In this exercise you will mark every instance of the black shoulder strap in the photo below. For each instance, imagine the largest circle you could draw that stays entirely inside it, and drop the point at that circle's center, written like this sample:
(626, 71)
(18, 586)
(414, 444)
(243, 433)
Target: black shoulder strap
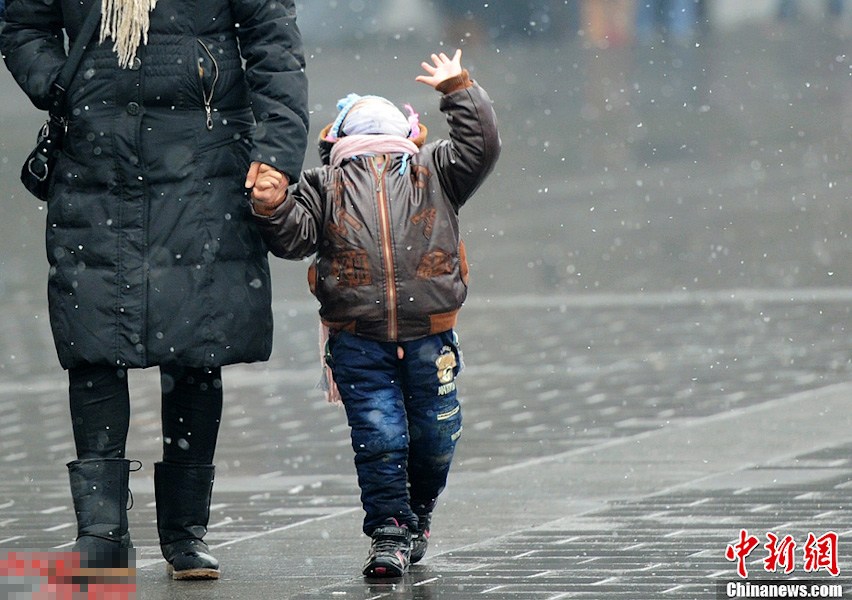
(75, 54)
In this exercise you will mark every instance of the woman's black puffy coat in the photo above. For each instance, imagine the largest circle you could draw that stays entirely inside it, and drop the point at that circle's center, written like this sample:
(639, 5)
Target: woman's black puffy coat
(153, 255)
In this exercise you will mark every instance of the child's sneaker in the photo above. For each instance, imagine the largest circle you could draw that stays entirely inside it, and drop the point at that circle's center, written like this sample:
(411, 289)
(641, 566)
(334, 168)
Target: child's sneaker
(420, 539)
(390, 551)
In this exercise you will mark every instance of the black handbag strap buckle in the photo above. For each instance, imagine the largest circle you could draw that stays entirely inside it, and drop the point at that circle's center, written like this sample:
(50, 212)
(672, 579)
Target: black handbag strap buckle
(42, 169)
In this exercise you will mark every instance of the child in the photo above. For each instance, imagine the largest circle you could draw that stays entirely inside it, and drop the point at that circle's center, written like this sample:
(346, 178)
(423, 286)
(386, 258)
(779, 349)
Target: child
(390, 274)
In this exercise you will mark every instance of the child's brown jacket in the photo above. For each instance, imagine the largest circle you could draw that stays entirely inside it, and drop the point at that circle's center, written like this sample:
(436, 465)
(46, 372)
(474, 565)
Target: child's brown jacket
(390, 264)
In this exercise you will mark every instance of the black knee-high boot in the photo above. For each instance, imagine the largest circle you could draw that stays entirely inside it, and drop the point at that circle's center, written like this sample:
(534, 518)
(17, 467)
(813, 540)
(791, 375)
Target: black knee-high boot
(183, 493)
(99, 488)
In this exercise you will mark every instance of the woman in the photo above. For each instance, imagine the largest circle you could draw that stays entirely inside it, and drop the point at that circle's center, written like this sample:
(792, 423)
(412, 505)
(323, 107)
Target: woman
(154, 260)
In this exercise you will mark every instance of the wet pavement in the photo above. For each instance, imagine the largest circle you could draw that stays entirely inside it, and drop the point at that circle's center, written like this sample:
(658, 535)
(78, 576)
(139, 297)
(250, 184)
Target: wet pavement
(657, 341)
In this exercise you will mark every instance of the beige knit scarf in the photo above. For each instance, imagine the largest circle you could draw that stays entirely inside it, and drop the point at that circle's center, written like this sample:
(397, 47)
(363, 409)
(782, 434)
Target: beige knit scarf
(126, 22)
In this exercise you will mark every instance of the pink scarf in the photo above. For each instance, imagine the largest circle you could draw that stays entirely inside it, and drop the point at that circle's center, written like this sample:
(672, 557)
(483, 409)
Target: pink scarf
(358, 145)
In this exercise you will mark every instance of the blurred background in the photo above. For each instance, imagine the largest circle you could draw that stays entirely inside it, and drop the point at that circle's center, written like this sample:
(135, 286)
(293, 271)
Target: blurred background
(667, 144)
(672, 144)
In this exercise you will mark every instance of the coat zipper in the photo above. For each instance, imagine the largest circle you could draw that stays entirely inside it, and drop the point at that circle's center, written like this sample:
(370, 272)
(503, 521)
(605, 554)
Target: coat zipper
(387, 247)
(208, 97)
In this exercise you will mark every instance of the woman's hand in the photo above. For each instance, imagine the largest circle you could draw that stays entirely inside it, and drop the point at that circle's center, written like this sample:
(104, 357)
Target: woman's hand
(268, 188)
(443, 68)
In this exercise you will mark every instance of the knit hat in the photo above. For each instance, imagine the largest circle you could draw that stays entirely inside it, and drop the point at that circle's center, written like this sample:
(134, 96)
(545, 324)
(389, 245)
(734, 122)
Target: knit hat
(369, 115)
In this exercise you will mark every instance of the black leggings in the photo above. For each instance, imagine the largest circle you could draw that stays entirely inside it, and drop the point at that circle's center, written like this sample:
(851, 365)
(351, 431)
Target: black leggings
(191, 412)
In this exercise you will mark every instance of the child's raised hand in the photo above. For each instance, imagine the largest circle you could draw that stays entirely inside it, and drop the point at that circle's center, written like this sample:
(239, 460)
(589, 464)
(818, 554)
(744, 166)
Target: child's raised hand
(442, 68)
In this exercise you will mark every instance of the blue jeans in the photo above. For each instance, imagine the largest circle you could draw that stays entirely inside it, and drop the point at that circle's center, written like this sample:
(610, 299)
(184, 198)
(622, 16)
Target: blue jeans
(404, 417)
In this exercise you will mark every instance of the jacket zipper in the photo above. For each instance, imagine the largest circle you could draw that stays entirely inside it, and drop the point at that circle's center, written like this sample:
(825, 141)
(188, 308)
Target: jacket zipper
(387, 248)
(208, 97)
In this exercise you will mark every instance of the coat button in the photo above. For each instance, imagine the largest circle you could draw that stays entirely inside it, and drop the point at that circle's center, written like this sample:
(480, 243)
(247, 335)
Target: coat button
(136, 64)
(133, 109)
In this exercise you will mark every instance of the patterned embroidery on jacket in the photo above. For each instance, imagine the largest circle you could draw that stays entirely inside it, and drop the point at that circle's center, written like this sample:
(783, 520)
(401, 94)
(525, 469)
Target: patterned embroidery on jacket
(434, 264)
(420, 175)
(337, 229)
(351, 268)
(427, 217)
